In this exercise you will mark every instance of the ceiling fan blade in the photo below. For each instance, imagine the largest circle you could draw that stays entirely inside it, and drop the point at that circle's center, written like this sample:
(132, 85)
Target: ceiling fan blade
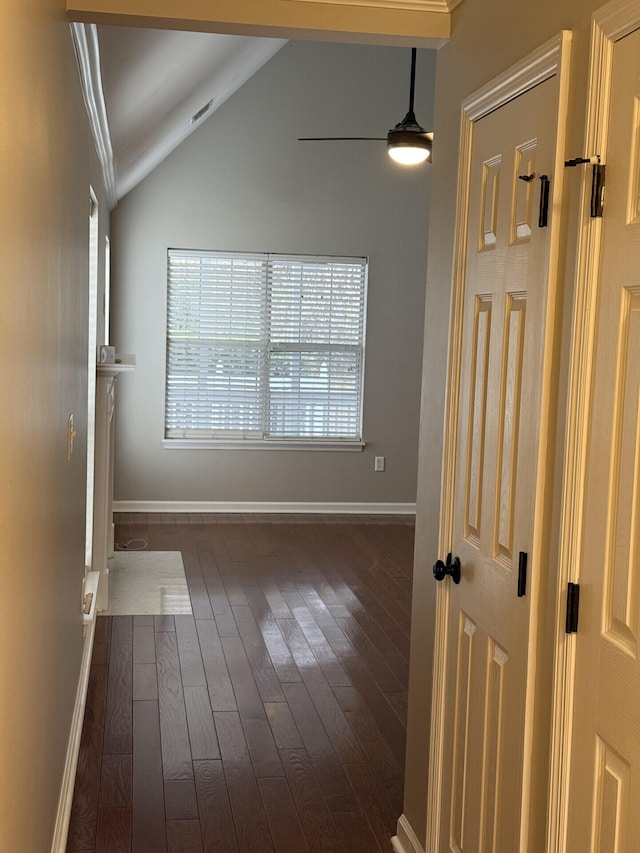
(407, 143)
(342, 139)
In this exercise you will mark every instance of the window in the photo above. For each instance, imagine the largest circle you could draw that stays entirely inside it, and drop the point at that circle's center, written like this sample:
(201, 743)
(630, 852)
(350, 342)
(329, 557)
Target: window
(264, 348)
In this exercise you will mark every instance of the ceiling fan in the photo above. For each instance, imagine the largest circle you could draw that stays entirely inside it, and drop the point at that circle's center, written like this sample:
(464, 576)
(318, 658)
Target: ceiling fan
(407, 143)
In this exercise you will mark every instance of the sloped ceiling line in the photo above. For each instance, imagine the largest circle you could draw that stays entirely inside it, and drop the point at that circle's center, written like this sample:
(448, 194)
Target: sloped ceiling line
(156, 81)
(142, 88)
(85, 39)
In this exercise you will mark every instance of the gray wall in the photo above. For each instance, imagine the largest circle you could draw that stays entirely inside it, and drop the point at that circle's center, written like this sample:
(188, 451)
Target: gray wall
(47, 162)
(244, 182)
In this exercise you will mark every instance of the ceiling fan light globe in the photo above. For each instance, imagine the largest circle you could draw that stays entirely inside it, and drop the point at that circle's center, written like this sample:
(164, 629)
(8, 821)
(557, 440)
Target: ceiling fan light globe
(409, 147)
(407, 155)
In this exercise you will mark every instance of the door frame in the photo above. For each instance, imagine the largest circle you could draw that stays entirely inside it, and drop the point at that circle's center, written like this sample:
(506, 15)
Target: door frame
(609, 24)
(551, 59)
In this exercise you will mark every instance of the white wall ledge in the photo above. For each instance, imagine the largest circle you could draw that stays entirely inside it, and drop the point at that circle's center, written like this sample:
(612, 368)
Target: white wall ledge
(266, 444)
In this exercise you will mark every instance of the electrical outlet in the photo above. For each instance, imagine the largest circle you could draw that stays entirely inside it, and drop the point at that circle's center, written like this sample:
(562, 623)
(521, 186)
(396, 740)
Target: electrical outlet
(378, 463)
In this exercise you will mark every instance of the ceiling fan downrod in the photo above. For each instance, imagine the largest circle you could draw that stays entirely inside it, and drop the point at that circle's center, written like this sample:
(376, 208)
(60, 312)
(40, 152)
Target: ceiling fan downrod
(408, 143)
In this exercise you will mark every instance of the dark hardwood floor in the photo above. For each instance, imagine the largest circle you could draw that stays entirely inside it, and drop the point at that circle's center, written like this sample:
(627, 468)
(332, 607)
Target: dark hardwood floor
(273, 719)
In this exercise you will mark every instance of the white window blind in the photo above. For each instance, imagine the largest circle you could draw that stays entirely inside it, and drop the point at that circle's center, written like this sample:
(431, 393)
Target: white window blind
(264, 347)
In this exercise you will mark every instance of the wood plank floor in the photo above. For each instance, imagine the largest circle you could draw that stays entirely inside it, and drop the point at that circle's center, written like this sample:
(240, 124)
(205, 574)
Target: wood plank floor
(273, 719)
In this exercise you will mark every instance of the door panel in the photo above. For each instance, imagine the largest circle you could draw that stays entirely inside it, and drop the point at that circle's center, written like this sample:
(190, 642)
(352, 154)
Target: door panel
(604, 785)
(509, 425)
(478, 415)
(611, 799)
(461, 788)
(499, 473)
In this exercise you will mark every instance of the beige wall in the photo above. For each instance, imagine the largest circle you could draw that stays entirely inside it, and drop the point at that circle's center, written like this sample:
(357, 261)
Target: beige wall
(243, 182)
(46, 166)
(487, 38)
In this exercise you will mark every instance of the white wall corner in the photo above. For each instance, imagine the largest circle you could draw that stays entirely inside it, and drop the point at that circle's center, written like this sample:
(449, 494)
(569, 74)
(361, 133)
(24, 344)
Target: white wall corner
(406, 841)
(85, 40)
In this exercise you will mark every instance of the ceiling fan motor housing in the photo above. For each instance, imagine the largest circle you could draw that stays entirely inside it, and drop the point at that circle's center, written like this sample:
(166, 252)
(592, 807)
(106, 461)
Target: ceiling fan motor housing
(408, 134)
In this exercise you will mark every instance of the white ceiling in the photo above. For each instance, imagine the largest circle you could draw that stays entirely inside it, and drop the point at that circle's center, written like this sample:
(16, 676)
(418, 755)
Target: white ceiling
(148, 84)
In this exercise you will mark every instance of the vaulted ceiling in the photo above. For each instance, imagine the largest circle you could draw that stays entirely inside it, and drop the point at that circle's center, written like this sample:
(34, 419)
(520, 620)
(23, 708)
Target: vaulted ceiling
(149, 85)
(148, 89)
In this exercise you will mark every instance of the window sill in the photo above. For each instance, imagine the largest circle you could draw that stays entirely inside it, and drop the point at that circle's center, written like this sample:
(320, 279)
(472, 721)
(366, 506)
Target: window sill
(248, 444)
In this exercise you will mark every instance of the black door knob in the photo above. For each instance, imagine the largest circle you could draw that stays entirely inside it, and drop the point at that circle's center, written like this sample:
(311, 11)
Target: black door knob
(451, 568)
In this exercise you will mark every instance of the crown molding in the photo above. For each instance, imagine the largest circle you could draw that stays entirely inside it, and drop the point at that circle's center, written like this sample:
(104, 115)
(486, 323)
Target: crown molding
(85, 39)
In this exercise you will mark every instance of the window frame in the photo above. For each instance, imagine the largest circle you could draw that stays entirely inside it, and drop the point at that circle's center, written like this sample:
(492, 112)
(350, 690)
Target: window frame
(265, 441)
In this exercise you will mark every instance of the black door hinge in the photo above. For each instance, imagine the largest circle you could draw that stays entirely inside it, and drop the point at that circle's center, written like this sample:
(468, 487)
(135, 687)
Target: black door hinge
(543, 211)
(596, 205)
(597, 191)
(543, 214)
(522, 574)
(573, 604)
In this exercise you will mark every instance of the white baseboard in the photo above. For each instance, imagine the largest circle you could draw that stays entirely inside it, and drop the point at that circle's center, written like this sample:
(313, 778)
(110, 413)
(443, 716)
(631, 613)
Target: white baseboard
(65, 801)
(406, 841)
(266, 507)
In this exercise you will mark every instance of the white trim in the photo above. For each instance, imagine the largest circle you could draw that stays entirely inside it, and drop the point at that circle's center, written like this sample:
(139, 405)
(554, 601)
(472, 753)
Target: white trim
(85, 39)
(256, 444)
(272, 507)
(406, 841)
(617, 19)
(535, 68)
(61, 829)
(610, 23)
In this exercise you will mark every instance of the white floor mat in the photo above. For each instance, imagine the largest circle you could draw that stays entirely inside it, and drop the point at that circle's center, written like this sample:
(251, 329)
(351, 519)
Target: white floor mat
(147, 582)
